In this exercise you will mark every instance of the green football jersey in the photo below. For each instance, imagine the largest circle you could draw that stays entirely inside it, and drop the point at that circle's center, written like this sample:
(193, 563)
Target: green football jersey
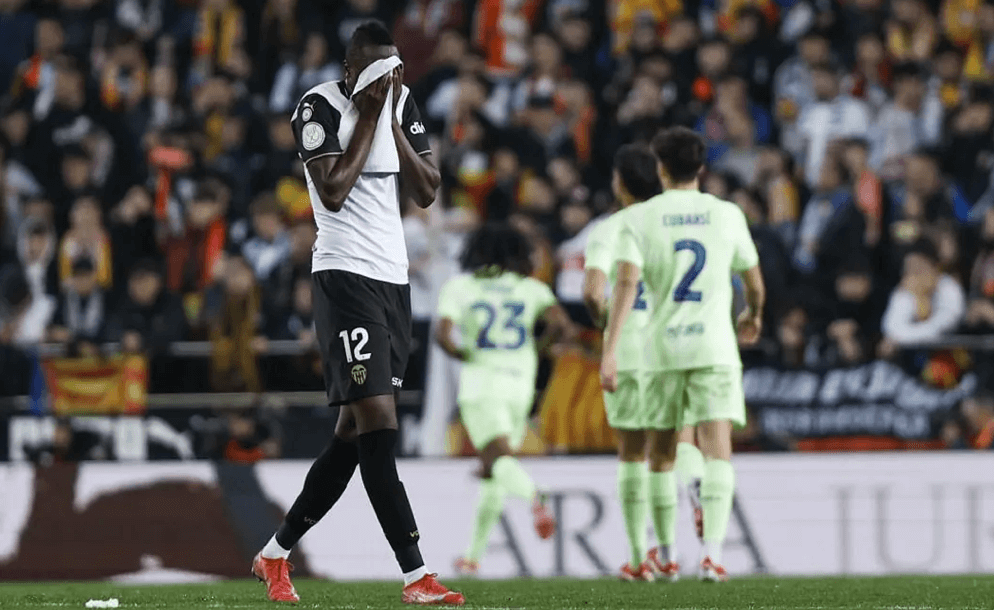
(602, 254)
(688, 245)
(496, 317)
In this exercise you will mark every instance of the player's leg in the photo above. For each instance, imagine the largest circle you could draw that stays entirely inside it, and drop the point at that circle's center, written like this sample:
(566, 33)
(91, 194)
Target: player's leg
(625, 413)
(718, 405)
(665, 403)
(663, 499)
(325, 483)
(717, 485)
(690, 469)
(632, 495)
(376, 369)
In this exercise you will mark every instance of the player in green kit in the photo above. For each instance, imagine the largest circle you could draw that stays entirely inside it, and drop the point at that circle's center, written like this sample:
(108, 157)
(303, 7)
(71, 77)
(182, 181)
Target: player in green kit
(495, 307)
(685, 246)
(634, 179)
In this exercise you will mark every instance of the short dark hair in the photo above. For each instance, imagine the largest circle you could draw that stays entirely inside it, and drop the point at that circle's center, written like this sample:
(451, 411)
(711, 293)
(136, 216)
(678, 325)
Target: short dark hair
(908, 69)
(681, 152)
(370, 33)
(637, 168)
(925, 248)
(497, 245)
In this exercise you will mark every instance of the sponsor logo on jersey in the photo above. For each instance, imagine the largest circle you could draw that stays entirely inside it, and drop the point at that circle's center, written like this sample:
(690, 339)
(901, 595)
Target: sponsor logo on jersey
(306, 113)
(397, 383)
(359, 374)
(417, 128)
(312, 136)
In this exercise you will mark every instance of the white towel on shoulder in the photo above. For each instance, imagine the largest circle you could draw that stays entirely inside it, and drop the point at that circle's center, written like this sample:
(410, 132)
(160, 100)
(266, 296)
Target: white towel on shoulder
(383, 154)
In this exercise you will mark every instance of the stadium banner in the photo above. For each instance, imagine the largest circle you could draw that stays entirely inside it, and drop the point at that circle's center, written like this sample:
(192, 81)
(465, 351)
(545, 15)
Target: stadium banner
(875, 399)
(97, 385)
(803, 514)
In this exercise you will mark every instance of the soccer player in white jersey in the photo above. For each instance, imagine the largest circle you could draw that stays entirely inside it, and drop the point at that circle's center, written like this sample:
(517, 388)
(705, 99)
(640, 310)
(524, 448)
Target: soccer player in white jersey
(487, 319)
(685, 246)
(362, 302)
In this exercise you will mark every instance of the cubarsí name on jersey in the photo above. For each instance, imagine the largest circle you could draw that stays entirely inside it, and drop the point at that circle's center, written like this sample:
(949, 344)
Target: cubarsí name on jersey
(677, 220)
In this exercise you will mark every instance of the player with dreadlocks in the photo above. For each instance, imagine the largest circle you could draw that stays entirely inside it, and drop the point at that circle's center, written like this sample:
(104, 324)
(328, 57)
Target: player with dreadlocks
(495, 307)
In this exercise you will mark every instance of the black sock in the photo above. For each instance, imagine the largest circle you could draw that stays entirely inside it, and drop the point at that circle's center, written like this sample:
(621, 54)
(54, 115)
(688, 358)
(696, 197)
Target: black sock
(325, 483)
(386, 493)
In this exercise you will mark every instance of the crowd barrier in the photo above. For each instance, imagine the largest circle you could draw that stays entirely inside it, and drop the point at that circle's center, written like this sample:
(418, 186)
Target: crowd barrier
(802, 514)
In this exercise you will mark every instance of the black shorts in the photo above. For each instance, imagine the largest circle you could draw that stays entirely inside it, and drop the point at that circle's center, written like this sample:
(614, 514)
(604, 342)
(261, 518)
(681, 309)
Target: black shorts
(364, 333)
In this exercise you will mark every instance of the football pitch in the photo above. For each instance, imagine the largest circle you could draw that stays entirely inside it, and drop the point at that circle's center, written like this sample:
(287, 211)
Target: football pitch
(896, 593)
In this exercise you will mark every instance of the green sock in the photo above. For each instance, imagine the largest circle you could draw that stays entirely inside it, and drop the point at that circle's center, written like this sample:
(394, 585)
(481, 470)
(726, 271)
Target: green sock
(488, 512)
(717, 489)
(689, 463)
(663, 498)
(632, 480)
(512, 476)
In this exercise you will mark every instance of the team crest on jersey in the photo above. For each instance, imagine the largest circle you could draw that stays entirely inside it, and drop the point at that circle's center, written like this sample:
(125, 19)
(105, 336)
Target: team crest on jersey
(312, 136)
(359, 374)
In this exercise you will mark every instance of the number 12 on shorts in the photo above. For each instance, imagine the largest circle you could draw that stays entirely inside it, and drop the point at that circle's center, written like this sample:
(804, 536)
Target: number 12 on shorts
(360, 336)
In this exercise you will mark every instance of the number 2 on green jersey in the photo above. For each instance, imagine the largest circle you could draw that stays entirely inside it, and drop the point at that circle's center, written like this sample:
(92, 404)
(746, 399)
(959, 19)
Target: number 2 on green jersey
(514, 310)
(683, 292)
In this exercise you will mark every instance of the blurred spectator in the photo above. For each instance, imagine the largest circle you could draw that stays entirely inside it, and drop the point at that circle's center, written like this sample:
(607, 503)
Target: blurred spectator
(969, 156)
(927, 304)
(25, 316)
(250, 438)
(233, 313)
(502, 29)
(297, 76)
(980, 310)
(831, 229)
(267, 251)
(70, 445)
(912, 31)
(793, 84)
(149, 317)
(979, 415)
(132, 233)
(36, 255)
(17, 28)
(870, 78)
(81, 315)
(866, 187)
(774, 260)
(88, 238)
(192, 257)
(913, 119)
(832, 116)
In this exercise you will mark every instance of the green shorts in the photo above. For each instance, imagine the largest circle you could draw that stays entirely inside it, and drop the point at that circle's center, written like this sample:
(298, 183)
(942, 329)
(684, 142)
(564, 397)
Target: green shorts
(677, 399)
(488, 419)
(625, 407)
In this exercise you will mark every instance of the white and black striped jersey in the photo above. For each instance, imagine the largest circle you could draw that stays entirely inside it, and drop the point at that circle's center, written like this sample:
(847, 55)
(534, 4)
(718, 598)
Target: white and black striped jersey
(366, 236)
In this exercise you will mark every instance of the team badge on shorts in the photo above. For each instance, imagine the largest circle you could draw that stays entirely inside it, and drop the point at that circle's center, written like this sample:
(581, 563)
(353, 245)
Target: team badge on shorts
(359, 374)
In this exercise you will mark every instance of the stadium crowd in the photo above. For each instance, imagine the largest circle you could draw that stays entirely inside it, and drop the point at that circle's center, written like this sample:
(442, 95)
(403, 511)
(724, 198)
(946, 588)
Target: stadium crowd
(151, 189)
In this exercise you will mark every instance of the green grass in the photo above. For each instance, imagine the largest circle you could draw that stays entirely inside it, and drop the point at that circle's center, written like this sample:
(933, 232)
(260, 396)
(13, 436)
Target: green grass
(897, 593)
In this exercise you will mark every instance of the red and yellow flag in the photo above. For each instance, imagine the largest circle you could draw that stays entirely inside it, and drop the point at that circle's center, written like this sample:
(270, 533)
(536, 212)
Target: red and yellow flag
(80, 386)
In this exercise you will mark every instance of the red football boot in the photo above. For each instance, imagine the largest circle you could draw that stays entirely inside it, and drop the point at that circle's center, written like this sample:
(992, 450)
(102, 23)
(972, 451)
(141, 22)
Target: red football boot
(641, 573)
(276, 574)
(467, 567)
(429, 592)
(545, 523)
(712, 572)
(667, 571)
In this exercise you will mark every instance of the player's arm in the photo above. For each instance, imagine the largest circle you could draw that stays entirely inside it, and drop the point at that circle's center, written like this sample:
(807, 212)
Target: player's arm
(335, 175)
(751, 319)
(559, 328)
(419, 178)
(622, 301)
(746, 261)
(594, 295)
(445, 337)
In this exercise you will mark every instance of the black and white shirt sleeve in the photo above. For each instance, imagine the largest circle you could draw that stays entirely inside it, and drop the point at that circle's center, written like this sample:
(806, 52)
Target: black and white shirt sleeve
(315, 128)
(414, 129)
